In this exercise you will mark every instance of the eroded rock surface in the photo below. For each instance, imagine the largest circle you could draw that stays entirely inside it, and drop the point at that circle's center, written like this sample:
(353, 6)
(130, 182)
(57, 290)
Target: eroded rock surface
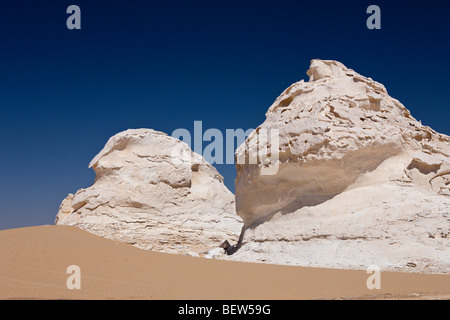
(148, 195)
(359, 180)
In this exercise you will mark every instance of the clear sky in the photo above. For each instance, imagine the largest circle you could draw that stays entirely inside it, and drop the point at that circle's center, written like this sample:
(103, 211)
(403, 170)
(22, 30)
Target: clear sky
(165, 64)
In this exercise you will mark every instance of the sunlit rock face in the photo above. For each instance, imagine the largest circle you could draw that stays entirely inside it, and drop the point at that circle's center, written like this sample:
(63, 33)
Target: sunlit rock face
(148, 195)
(358, 179)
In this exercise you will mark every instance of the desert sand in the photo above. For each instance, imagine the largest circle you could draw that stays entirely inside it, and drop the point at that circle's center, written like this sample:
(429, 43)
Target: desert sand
(34, 262)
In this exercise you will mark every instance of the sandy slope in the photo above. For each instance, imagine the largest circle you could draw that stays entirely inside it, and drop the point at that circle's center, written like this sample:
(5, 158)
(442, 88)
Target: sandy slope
(33, 264)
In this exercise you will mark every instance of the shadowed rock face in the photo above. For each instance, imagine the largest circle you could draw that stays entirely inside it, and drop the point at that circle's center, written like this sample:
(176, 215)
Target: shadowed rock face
(148, 195)
(359, 181)
(332, 130)
(303, 185)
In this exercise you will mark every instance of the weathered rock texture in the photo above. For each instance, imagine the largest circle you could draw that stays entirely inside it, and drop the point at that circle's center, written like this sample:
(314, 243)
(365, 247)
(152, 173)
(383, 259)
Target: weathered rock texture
(359, 180)
(148, 194)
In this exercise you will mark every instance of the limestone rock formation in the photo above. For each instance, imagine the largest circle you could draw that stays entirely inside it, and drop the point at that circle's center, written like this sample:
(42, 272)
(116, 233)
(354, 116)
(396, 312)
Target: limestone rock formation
(359, 181)
(148, 193)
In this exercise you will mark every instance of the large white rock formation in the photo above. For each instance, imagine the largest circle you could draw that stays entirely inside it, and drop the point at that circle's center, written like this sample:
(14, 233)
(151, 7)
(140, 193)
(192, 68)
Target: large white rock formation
(359, 180)
(151, 190)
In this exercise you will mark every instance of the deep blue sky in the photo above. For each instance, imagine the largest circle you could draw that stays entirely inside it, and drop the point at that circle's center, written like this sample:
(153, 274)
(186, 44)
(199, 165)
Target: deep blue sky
(165, 64)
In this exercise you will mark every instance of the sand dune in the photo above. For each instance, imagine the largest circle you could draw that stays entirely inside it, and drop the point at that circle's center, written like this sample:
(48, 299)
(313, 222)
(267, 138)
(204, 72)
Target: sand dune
(34, 262)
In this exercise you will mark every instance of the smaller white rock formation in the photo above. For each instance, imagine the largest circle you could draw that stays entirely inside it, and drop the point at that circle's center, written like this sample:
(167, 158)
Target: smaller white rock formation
(147, 195)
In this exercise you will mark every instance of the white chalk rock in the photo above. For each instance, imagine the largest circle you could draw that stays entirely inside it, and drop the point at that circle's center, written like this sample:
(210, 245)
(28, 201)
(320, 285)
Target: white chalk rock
(151, 190)
(354, 180)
